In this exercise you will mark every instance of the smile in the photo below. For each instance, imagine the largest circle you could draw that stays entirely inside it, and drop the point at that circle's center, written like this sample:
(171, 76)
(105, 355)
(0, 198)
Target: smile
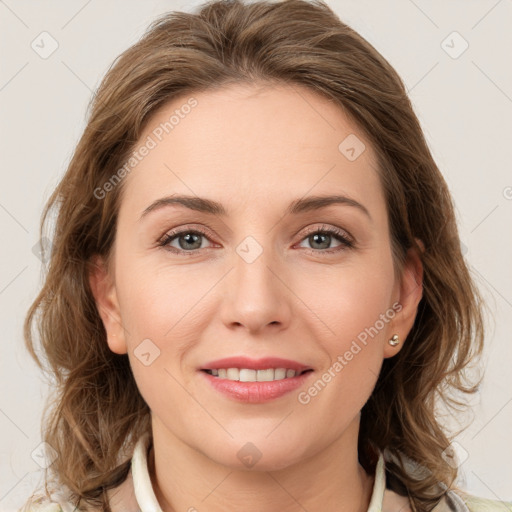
(252, 391)
(249, 375)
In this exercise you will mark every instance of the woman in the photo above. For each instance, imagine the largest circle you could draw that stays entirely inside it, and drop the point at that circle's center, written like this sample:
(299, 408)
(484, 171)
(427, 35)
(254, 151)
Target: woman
(256, 288)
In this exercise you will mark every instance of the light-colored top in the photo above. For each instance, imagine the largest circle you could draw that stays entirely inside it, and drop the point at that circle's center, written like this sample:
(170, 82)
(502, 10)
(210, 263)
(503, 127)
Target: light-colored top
(136, 493)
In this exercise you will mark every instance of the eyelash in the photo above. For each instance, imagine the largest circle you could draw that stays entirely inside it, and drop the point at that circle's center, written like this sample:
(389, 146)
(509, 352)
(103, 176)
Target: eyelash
(340, 235)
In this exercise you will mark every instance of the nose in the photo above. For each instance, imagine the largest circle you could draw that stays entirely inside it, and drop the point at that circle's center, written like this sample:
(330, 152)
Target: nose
(256, 295)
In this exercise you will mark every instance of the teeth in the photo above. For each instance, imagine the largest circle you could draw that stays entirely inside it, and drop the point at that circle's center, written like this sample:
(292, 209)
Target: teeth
(233, 374)
(265, 375)
(247, 375)
(279, 373)
(242, 375)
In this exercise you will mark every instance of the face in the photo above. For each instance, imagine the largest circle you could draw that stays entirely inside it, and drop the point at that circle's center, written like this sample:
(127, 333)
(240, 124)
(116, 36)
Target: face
(262, 276)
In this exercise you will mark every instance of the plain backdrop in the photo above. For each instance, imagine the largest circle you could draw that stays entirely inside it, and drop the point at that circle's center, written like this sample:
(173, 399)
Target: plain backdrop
(454, 58)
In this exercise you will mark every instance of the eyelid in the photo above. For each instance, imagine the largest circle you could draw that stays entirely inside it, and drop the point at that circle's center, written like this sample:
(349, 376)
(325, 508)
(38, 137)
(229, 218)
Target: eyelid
(329, 229)
(346, 239)
(187, 228)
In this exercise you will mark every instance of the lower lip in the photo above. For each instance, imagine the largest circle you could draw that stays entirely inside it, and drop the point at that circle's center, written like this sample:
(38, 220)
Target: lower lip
(256, 392)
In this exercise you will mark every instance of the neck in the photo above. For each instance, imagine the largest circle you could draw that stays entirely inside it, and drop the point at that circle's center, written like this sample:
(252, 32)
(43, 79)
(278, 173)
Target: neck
(331, 480)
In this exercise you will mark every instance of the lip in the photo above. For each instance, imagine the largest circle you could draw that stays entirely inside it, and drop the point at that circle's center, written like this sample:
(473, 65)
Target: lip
(255, 392)
(255, 364)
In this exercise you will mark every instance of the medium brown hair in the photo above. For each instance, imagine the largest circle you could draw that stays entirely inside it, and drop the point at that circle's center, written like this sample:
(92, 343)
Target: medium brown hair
(97, 412)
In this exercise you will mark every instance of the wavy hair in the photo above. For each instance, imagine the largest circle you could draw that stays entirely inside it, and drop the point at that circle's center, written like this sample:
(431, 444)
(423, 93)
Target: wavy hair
(97, 413)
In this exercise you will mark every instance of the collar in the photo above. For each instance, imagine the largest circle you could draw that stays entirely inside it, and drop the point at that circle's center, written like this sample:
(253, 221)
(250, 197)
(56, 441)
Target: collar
(382, 499)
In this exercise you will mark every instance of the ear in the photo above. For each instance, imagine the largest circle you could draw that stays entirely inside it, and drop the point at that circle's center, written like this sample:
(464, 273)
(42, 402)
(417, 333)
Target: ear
(410, 292)
(104, 291)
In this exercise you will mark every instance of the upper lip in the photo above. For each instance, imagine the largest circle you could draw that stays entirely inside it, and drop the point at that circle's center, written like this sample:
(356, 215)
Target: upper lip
(255, 364)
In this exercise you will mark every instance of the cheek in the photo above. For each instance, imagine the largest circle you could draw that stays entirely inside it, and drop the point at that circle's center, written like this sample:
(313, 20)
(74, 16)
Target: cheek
(348, 300)
(162, 326)
(158, 301)
(352, 309)
(163, 311)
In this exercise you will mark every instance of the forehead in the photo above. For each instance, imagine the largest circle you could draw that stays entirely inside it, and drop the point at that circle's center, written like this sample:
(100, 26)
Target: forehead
(247, 143)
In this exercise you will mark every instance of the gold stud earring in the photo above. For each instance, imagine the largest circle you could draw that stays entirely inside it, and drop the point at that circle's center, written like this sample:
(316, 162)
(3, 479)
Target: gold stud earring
(394, 340)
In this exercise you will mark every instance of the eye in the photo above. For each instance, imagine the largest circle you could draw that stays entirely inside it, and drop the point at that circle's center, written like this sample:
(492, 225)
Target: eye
(323, 236)
(188, 240)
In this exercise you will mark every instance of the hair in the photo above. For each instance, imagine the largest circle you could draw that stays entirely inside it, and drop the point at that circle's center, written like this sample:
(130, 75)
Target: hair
(97, 413)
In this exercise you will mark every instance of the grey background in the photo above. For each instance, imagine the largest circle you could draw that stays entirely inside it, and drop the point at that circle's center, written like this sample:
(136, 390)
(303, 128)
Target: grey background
(463, 103)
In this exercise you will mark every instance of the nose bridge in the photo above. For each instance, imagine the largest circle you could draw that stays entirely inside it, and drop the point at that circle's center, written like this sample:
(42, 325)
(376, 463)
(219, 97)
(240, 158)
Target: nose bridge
(253, 261)
(255, 295)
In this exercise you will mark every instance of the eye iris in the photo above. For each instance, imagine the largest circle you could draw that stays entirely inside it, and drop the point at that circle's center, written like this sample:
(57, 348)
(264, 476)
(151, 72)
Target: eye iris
(314, 239)
(188, 237)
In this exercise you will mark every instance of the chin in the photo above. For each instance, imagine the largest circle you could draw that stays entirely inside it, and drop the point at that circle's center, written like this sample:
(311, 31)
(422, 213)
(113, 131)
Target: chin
(257, 454)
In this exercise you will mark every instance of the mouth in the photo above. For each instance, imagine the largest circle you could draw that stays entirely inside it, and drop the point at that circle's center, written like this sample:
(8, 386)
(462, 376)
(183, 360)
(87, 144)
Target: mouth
(251, 375)
(245, 369)
(255, 380)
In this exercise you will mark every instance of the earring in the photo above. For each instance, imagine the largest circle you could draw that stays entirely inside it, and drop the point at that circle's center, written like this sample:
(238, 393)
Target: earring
(394, 340)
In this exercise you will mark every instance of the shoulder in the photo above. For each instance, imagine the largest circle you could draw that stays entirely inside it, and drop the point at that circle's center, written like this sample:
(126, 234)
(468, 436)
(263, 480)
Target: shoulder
(461, 500)
(456, 500)
(477, 504)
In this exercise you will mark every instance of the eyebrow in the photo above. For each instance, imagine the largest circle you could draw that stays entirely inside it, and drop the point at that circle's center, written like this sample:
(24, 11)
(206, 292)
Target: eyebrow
(297, 206)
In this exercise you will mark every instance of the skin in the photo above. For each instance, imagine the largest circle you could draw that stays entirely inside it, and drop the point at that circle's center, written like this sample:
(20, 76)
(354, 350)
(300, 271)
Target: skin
(294, 301)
